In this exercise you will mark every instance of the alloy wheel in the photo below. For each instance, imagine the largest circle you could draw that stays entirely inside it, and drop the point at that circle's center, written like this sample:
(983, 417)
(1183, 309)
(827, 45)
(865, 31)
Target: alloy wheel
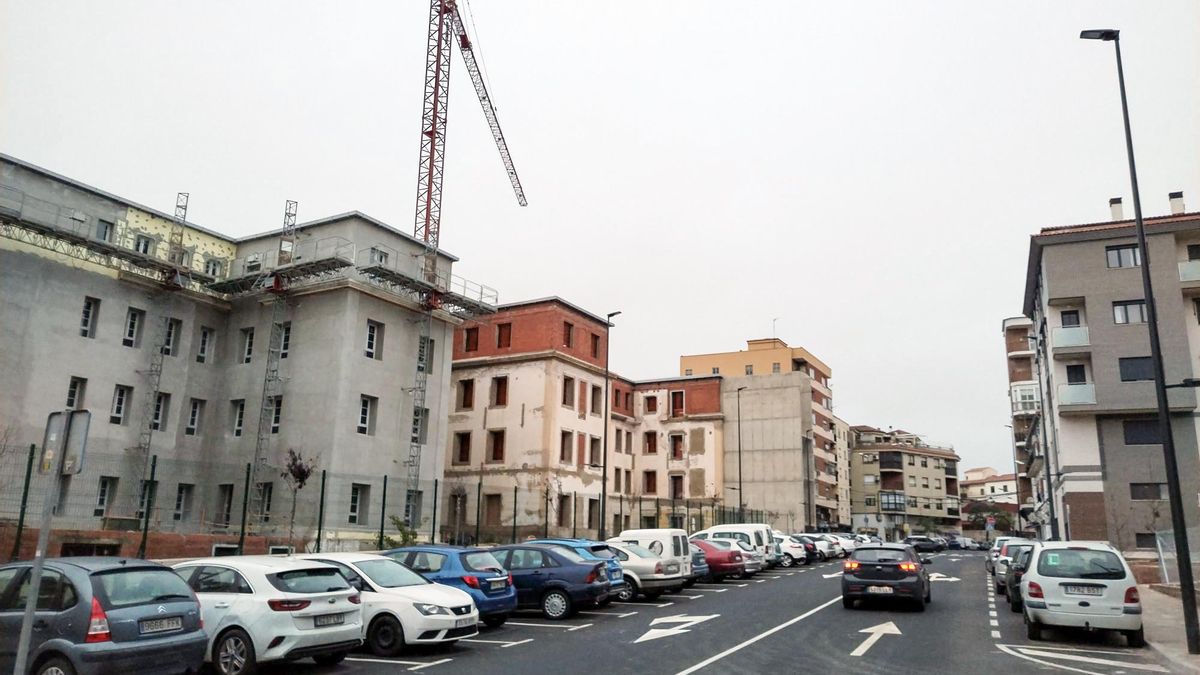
(231, 659)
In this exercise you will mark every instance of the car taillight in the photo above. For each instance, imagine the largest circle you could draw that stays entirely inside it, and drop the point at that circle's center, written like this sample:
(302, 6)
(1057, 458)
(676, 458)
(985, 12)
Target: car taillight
(471, 581)
(98, 624)
(591, 577)
(737, 556)
(1131, 596)
(356, 598)
(1035, 591)
(908, 566)
(288, 605)
(510, 582)
(658, 568)
(851, 565)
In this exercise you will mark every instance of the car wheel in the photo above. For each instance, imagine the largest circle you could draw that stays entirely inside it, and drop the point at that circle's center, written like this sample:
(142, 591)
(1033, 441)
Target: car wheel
(788, 560)
(556, 605)
(847, 602)
(821, 556)
(233, 653)
(1033, 630)
(61, 666)
(385, 637)
(495, 620)
(628, 593)
(330, 659)
(1015, 605)
(1136, 638)
(689, 583)
(928, 594)
(999, 588)
(919, 604)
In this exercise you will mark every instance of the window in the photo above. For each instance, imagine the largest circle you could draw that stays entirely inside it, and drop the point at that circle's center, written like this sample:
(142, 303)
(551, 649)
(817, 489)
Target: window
(462, 447)
(120, 403)
(180, 256)
(595, 346)
(142, 243)
(495, 445)
(183, 501)
(568, 393)
(499, 394)
(1148, 491)
(247, 344)
(492, 507)
(677, 404)
(628, 481)
(869, 479)
(676, 487)
(616, 403)
(171, 339)
(676, 446)
(749, 369)
(378, 256)
(146, 490)
(937, 483)
(620, 437)
(1076, 374)
(597, 399)
(420, 425)
(568, 335)
(358, 502)
(503, 335)
(1145, 540)
(162, 403)
(925, 462)
(133, 327)
(366, 414)
(195, 417)
(893, 501)
(716, 370)
(264, 492)
(1141, 432)
(649, 482)
(1129, 311)
(1070, 318)
(104, 495)
(412, 506)
(89, 318)
(1123, 256)
(937, 504)
(1136, 368)
(466, 394)
(628, 400)
(374, 346)
(75, 391)
(617, 480)
(650, 443)
(276, 413)
(239, 415)
(471, 339)
(651, 404)
(912, 481)
(925, 481)
(594, 451)
(213, 267)
(285, 339)
(564, 446)
(254, 262)
(205, 345)
(224, 503)
(104, 230)
(775, 367)
(687, 372)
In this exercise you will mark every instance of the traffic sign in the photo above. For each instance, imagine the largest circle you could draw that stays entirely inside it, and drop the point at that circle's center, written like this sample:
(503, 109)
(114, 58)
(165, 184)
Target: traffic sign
(64, 442)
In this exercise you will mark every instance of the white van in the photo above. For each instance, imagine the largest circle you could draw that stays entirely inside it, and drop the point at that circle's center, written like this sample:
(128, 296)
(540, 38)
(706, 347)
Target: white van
(755, 534)
(668, 543)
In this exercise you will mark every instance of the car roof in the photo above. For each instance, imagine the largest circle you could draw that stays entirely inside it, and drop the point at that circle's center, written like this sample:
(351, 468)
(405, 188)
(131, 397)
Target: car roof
(436, 548)
(564, 540)
(342, 556)
(884, 547)
(100, 563)
(1076, 544)
(264, 563)
(527, 544)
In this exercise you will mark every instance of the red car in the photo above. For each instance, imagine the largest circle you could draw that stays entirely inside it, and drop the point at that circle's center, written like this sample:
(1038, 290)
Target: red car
(722, 562)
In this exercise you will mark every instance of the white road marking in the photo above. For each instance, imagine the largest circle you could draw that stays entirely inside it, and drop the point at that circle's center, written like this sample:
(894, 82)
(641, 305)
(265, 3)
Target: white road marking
(994, 623)
(619, 615)
(1028, 655)
(565, 626)
(434, 663)
(995, 635)
(414, 665)
(642, 604)
(738, 647)
(686, 622)
(724, 585)
(789, 574)
(876, 632)
(992, 614)
(696, 589)
(502, 643)
(690, 597)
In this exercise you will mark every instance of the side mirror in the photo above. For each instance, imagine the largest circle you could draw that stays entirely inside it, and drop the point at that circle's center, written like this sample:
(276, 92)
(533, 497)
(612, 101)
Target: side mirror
(926, 561)
(1018, 568)
(357, 583)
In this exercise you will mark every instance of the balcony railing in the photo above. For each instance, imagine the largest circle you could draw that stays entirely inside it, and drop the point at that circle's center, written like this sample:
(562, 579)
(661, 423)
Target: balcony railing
(1189, 271)
(1024, 407)
(1076, 394)
(1070, 336)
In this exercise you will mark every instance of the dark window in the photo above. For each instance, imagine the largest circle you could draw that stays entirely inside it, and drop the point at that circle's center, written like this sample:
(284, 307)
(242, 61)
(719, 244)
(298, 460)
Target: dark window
(676, 487)
(315, 580)
(500, 391)
(1136, 368)
(462, 447)
(676, 446)
(212, 579)
(504, 335)
(595, 346)
(1129, 311)
(1193, 251)
(1070, 318)
(651, 404)
(568, 397)
(466, 394)
(1141, 432)
(496, 446)
(1076, 374)
(677, 404)
(651, 442)
(568, 335)
(1148, 491)
(471, 339)
(649, 482)
(565, 439)
(1145, 540)
(1123, 256)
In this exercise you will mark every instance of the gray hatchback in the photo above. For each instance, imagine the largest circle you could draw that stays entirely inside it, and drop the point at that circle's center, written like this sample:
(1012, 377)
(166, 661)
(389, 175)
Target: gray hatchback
(102, 615)
(886, 571)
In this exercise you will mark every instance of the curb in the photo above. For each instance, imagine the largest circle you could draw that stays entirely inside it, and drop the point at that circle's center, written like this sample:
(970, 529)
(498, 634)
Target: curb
(1185, 662)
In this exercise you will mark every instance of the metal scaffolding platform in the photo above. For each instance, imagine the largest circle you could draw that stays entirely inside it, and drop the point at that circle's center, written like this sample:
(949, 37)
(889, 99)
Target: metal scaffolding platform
(309, 259)
(451, 293)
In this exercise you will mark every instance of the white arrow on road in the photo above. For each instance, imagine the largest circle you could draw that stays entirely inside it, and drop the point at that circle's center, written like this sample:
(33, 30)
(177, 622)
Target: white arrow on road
(830, 576)
(685, 621)
(876, 632)
(938, 576)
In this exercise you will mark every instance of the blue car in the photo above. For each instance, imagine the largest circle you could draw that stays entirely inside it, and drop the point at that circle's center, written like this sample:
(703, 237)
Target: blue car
(474, 570)
(554, 579)
(592, 550)
(699, 566)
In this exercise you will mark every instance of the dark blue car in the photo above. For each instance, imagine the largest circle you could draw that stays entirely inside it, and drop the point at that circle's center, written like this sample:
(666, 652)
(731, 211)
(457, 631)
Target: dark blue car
(589, 549)
(554, 579)
(474, 570)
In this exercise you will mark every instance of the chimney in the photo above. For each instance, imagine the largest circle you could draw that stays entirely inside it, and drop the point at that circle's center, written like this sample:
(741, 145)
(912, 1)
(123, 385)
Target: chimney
(1176, 203)
(1117, 212)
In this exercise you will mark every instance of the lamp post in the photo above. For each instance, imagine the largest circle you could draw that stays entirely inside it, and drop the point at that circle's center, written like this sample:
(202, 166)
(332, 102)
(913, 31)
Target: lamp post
(604, 462)
(1183, 554)
(741, 499)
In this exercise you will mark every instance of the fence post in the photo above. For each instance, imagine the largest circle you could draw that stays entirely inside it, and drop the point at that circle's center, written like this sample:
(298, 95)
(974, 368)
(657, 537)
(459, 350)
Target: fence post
(478, 506)
(16, 552)
(320, 514)
(433, 527)
(621, 513)
(150, 505)
(657, 513)
(383, 511)
(574, 513)
(514, 534)
(639, 522)
(546, 506)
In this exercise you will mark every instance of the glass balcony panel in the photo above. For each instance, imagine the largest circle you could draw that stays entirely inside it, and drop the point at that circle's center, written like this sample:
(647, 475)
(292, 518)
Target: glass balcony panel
(1070, 336)
(1076, 394)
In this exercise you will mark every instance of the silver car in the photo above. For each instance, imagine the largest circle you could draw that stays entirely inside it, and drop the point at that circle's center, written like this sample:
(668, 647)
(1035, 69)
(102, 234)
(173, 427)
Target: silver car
(754, 560)
(645, 572)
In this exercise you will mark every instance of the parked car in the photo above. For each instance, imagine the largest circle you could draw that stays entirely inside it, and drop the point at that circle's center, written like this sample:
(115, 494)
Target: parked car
(752, 559)
(756, 535)
(722, 558)
(849, 543)
(940, 541)
(646, 572)
(921, 544)
(401, 607)
(1082, 584)
(668, 542)
(474, 571)
(555, 579)
(1002, 561)
(794, 551)
(102, 615)
(699, 566)
(989, 562)
(811, 552)
(592, 550)
(835, 548)
(886, 571)
(824, 549)
(269, 608)
(1016, 570)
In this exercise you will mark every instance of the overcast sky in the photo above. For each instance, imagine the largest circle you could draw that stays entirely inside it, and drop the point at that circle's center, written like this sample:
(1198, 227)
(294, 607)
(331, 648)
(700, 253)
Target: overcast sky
(868, 173)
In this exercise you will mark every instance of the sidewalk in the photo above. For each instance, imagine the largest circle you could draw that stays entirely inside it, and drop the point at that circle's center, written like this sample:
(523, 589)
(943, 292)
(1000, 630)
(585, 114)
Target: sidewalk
(1162, 616)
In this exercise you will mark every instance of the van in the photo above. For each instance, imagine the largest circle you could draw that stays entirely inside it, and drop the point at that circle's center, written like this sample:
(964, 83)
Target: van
(666, 542)
(755, 534)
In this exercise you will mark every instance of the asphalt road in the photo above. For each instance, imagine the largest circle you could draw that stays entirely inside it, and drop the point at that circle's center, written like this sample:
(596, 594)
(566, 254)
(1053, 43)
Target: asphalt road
(784, 621)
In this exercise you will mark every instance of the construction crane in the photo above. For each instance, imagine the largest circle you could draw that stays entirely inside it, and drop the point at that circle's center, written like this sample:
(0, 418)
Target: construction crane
(445, 26)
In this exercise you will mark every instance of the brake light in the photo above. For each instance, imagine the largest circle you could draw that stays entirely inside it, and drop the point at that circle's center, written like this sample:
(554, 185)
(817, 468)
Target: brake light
(98, 624)
(471, 581)
(908, 566)
(737, 556)
(851, 565)
(510, 581)
(1035, 591)
(658, 568)
(355, 599)
(1131, 596)
(591, 577)
(288, 605)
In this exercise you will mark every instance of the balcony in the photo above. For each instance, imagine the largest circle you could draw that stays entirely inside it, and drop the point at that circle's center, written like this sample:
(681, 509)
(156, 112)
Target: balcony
(1024, 407)
(1067, 337)
(1189, 271)
(1077, 394)
(892, 461)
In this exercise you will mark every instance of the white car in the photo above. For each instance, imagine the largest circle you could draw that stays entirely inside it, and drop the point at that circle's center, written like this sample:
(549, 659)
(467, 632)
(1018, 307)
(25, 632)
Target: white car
(793, 551)
(849, 543)
(265, 608)
(1083, 584)
(836, 550)
(401, 607)
(825, 549)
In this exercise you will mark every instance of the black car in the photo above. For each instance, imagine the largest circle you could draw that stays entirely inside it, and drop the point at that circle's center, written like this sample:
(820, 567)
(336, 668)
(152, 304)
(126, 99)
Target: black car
(1016, 570)
(554, 579)
(886, 571)
(923, 544)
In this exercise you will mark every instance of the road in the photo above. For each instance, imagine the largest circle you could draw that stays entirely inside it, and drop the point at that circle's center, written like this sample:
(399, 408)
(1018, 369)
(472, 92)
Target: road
(783, 621)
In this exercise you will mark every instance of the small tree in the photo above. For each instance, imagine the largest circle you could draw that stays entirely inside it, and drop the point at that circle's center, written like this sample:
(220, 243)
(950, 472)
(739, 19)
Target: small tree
(296, 472)
(407, 535)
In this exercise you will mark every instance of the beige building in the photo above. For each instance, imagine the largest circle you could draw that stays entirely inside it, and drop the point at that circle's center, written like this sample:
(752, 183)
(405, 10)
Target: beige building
(901, 485)
(841, 446)
(987, 484)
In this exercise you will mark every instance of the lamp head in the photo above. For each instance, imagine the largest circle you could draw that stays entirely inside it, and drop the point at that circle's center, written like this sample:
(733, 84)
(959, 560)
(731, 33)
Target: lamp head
(1106, 34)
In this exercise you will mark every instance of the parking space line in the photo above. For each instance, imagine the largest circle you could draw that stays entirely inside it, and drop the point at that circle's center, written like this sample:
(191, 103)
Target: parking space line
(724, 585)
(565, 626)
(736, 648)
(641, 604)
(690, 597)
(708, 590)
(992, 614)
(426, 665)
(503, 643)
(619, 615)
(414, 665)
(994, 623)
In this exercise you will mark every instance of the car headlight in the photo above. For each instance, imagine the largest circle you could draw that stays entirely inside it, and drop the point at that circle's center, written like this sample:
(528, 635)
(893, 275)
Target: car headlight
(429, 610)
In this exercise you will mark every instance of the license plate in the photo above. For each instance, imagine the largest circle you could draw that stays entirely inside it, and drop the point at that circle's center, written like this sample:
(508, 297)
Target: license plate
(464, 623)
(880, 590)
(328, 620)
(497, 584)
(160, 625)
(1083, 590)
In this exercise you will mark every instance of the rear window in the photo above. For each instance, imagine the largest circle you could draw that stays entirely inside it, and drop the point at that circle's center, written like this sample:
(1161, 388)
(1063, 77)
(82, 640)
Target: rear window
(881, 555)
(677, 546)
(602, 552)
(131, 587)
(390, 574)
(480, 562)
(640, 551)
(570, 555)
(1080, 564)
(315, 580)
(723, 544)
(740, 536)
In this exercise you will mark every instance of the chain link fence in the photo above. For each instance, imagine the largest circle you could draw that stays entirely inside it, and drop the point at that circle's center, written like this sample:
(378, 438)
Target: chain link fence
(1168, 560)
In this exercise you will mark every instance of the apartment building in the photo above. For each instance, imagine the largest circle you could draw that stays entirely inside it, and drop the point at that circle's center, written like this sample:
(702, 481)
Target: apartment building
(306, 341)
(988, 485)
(1024, 399)
(902, 485)
(841, 445)
(527, 429)
(790, 437)
(1095, 434)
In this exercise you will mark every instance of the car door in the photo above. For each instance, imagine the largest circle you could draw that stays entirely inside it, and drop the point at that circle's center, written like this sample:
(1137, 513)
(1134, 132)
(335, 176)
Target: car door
(55, 594)
(10, 616)
(525, 565)
(220, 590)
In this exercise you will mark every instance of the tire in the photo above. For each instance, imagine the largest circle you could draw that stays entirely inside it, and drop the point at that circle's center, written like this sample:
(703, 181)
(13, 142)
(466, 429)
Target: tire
(1136, 638)
(556, 605)
(999, 588)
(919, 604)
(385, 637)
(495, 620)
(788, 560)
(630, 592)
(1015, 605)
(928, 594)
(233, 653)
(847, 602)
(1033, 630)
(330, 659)
(821, 556)
(689, 583)
(60, 666)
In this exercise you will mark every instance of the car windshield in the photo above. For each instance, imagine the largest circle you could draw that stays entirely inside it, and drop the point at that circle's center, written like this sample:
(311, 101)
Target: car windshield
(481, 561)
(130, 587)
(880, 555)
(640, 551)
(1080, 563)
(390, 574)
(743, 545)
(313, 580)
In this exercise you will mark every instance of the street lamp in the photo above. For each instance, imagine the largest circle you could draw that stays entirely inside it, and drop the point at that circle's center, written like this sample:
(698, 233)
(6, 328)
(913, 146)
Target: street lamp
(604, 462)
(741, 499)
(1184, 558)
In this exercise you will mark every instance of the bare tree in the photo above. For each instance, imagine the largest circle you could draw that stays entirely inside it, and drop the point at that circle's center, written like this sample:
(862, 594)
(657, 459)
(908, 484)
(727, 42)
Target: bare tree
(296, 472)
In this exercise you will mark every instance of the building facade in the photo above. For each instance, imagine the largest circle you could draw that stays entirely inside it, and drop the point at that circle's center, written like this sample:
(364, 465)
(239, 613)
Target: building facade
(900, 485)
(991, 487)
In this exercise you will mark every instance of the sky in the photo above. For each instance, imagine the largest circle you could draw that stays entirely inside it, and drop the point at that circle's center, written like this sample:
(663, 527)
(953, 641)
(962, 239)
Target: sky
(862, 178)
